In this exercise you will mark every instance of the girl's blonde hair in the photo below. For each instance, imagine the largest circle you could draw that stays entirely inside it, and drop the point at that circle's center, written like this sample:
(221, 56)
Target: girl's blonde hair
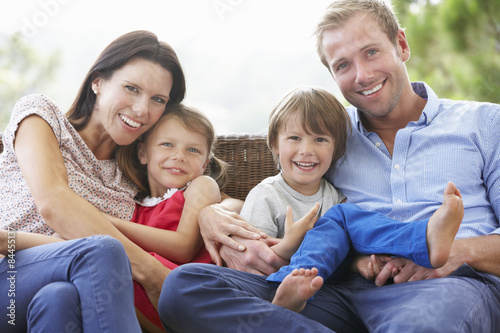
(320, 112)
(195, 121)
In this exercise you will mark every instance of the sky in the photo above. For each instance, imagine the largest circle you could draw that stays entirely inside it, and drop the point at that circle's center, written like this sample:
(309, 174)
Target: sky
(239, 56)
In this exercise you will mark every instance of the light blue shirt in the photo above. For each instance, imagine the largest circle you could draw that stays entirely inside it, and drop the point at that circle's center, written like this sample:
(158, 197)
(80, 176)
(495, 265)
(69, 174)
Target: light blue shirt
(456, 141)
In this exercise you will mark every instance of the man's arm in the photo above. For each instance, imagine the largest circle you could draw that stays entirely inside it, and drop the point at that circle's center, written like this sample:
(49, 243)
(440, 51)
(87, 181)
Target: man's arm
(481, 253)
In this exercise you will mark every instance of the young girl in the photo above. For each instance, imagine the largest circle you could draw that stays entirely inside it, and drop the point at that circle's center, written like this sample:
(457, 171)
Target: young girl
(307, 134)
(167, 164)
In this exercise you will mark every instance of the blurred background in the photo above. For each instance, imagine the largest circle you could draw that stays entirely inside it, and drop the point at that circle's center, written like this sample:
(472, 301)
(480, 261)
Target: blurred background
(240, 57)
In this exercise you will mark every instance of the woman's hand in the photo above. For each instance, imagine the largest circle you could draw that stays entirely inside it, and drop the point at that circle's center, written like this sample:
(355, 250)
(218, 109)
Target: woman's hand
(218, 224)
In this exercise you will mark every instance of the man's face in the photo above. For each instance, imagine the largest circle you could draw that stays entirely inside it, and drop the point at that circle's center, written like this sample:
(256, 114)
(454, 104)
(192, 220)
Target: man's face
(368, 67)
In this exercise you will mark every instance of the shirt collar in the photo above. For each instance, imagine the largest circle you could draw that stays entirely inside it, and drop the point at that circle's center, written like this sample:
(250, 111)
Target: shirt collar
(431, 108)
(420, 88)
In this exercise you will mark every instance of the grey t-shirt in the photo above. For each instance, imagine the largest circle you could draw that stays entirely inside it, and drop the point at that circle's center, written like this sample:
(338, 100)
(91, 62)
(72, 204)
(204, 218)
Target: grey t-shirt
(265, 205)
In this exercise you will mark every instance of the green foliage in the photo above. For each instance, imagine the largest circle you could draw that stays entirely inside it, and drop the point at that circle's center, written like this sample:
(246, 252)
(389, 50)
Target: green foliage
(455, 46)
(22, 71)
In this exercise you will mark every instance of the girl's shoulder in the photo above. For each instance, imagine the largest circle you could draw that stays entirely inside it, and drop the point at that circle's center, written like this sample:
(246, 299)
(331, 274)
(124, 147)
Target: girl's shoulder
(202, 185)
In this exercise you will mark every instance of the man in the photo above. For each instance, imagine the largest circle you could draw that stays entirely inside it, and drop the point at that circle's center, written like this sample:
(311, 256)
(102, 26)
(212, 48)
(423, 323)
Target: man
(406, 145)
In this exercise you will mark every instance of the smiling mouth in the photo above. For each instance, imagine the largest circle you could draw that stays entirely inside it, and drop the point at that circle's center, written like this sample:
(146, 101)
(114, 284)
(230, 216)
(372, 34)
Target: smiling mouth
(306, 166)
(372, 91)
(176, 171)
(130, 122)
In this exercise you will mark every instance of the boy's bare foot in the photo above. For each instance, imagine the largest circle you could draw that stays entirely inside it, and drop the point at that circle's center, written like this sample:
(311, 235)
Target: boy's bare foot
(443, 226)
(297, 287)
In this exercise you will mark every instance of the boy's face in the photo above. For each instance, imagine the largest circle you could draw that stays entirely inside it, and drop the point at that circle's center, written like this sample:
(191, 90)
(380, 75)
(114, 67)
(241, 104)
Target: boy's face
(304, 158)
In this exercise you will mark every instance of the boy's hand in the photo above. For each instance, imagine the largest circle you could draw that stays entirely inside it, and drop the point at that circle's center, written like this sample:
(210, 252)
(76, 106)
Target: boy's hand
(295, 232)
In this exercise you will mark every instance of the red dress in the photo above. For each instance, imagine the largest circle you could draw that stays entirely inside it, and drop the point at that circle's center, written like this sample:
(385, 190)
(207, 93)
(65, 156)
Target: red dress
(165, 215)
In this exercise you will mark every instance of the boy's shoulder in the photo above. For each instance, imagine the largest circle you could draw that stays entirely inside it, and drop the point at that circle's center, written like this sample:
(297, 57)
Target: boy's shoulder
(272, 180)
(267, 186)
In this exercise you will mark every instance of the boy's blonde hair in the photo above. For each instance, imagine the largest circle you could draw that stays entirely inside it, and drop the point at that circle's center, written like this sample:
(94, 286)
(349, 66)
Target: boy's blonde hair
(320, 112)
(340, 11)
(195, 121)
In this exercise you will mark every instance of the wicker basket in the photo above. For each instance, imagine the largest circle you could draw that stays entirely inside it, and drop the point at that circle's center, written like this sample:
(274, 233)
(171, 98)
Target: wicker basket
(250, 161)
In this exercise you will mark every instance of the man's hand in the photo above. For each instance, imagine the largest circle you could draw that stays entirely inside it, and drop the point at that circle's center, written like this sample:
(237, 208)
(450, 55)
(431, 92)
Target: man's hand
(404, 270)
(370, 266)
(217, 224)
(258, 258)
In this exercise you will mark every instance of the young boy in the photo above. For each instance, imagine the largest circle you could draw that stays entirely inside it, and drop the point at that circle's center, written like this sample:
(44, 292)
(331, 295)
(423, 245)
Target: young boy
(307, 134)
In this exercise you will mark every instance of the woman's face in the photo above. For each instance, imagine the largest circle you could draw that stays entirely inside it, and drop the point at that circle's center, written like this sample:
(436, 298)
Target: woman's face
(131, 101)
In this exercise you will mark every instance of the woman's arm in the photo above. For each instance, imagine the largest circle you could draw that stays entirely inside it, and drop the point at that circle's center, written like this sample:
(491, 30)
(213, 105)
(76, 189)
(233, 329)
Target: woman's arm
(71, 216)
(18, 240)
(181, 245)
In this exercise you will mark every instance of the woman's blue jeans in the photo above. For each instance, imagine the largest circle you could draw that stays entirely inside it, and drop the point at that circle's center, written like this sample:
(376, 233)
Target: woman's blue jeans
(82, 285)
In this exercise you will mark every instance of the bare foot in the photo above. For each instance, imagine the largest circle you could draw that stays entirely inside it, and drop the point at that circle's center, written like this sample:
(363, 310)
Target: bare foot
(297, 287)
(443, 226)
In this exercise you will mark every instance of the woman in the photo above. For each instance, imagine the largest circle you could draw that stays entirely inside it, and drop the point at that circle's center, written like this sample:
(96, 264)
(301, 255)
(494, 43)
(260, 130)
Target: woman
(58, 171)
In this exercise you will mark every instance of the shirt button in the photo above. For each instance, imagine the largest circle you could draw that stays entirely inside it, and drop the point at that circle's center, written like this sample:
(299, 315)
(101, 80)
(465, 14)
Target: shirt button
(396, 166)
(377, 144)
(399, 201)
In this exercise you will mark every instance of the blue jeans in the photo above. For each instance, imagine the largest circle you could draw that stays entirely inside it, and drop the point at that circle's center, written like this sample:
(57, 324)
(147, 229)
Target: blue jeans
(347, 225)
(209, 298)
(82, 285)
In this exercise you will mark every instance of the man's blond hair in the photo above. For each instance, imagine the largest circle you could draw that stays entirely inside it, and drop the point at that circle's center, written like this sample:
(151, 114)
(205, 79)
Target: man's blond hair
(340, 11)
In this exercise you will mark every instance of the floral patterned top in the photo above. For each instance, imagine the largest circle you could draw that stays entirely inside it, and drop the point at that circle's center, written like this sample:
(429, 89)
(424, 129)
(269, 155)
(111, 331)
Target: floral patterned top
(98, 181)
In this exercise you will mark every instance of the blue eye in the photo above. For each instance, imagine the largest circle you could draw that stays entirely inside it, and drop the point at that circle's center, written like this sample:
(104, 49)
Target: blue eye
(193, 150)
(159, 100)
(341, 66)
(132, 89)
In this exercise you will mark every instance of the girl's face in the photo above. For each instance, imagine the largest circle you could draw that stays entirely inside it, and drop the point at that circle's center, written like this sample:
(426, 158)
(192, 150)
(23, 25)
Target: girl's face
(304, 158)
(131, 101)
(174, 155)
